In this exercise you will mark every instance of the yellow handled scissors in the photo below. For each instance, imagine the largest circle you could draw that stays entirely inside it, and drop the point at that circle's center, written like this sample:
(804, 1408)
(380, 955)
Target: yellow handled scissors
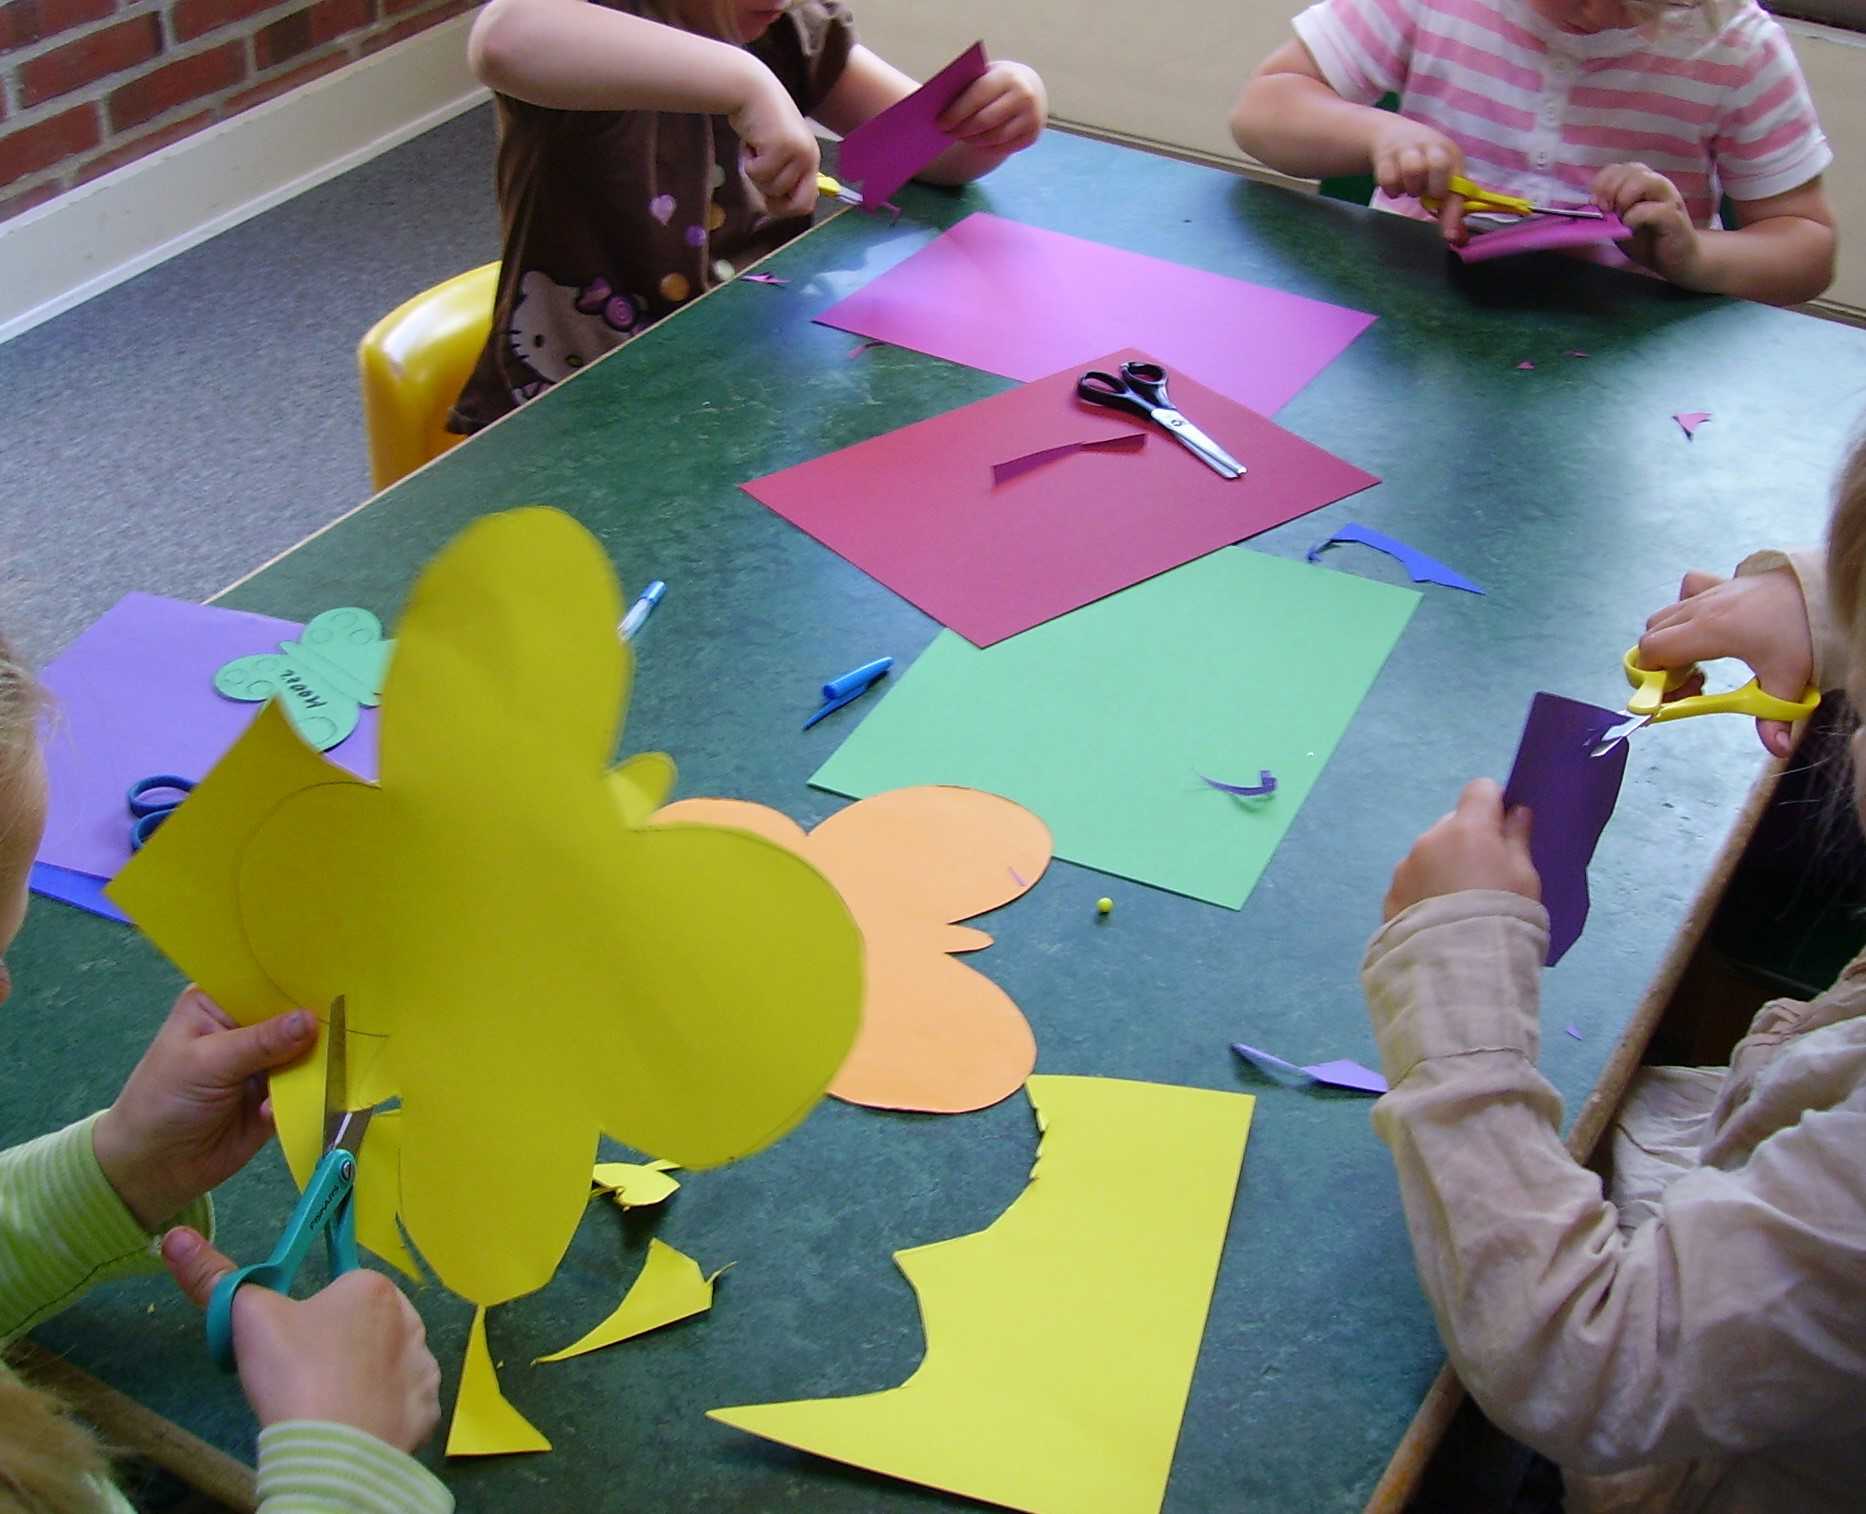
(1492, 202)
(837, 190)
(1651, 685)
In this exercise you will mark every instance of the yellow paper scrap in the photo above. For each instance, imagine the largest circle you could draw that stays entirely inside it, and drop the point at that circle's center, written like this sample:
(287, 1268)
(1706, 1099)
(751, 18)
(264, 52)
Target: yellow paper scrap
(1061, 1339)
(635, 1185)
(378, 1178)
(669, 1288)
(484, 1423)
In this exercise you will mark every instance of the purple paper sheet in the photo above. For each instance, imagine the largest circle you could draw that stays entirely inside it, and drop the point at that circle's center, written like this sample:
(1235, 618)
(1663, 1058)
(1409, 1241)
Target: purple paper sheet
(884, 153)
(1421, 568)
(1543, 234)
(81, 889)
(1024, 302)
(1571, 794)
(1011, 467)
(1340, 1073)
(134, 695)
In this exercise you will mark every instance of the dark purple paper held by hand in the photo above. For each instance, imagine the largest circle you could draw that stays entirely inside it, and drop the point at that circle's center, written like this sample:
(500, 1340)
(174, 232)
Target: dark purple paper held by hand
(884, 153)
(1419, 567)
(1010, 468)
(1543, 234)
(1025, 302)
(1571, 794)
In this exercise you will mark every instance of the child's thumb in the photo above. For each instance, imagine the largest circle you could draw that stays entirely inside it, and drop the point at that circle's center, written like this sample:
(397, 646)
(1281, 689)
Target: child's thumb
(193, 1263)
(230, 1057)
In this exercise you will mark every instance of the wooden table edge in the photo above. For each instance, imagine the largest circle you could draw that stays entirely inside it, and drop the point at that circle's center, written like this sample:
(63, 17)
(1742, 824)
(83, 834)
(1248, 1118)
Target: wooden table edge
(1400, 1481)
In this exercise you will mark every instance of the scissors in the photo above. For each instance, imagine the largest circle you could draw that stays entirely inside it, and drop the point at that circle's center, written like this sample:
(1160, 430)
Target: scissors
(1491, 202)
(150, 806)
(1141, 391)
(836, 190)
(1649, 705)
(327, 1207)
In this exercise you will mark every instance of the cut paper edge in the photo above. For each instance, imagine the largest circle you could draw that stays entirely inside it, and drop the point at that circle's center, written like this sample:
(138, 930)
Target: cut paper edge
(1012, 467)
(484, 1422)
(1420, 567)
(668, 1288)
(1264, 786)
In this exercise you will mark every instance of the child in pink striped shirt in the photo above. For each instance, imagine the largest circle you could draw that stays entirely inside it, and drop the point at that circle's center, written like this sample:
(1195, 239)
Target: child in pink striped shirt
(1651, 109)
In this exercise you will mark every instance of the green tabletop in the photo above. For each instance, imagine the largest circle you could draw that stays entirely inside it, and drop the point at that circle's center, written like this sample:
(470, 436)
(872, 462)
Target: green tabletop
(1566, 490)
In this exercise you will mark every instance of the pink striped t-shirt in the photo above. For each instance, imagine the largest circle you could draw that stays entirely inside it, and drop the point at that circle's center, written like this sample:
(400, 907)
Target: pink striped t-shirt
(1539, 111)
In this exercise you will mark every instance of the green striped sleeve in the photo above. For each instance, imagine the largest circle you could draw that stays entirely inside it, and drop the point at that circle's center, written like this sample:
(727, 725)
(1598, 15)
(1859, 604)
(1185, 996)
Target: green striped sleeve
(309, 1466)
(63, 1228)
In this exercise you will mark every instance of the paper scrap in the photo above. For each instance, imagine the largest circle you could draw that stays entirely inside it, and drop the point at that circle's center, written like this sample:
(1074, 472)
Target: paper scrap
(1690, 420)
(887, 150)
(669, 1288)
(134, 695)
(1575, 352)
(1103, 759)
(485, 1423)
(1340, 1073)
(1571, 794)
(323, 679)
(1525, 366)
(635, 1185)
(935, 1036)
(763, 278)
(1052, 545)
(860, 347)
(1024, 302)
(1543, 234)
(1575, 1031)
(1061, 1339)
(1422, 569)
(1010, 468)
(1265, 785)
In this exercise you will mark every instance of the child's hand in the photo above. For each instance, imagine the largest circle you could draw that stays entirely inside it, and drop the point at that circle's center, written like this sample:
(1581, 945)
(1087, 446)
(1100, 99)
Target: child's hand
(781, 152)
(1411, 158)
(195, 1110)
(1760, 617)
(1663, 237)
(355, 1353)
(1005, 108)
(1475, 846)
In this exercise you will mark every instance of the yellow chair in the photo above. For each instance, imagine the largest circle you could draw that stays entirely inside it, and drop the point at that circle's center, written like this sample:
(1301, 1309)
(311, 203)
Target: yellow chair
(413, 364)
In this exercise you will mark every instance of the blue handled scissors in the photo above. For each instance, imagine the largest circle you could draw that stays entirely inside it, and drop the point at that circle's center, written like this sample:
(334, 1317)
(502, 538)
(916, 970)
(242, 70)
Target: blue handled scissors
(327, 1207)
(1141, 391)
(152, 800)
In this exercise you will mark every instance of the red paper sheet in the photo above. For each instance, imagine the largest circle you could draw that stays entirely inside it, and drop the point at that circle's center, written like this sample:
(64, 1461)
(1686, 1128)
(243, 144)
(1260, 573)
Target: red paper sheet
(918, 508)
(883, 154)
(1016, 300)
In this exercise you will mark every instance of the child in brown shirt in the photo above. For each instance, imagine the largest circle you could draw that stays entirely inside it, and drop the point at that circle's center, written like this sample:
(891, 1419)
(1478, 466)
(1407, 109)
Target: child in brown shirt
(649, 150)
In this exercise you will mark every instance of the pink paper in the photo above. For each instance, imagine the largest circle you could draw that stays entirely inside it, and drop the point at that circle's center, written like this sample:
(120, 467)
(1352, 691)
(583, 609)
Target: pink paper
(1016, 300)
(884, 153)
(134, 695)
(1541, 234)
(1011, 467)
(918, 510)
(1690, 420)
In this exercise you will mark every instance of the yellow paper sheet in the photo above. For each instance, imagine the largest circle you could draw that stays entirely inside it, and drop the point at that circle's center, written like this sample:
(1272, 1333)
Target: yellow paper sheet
(378, 1188)
(635, 1185)
(936, 1036)
(669, 1288)
(484, 1423)
(1061, 1339)
(542, 968)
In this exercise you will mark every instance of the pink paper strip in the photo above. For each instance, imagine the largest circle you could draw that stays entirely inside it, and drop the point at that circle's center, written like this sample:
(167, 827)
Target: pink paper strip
(1016, 300)
(1012, 467)
(1542, 234)
(884, 153)
(917, 508)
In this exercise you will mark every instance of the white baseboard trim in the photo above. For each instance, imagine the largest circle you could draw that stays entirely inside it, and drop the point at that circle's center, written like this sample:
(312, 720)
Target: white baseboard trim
(65, 251)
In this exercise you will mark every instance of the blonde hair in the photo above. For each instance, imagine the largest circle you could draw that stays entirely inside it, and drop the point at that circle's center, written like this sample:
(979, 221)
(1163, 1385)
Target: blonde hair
(21, 701)
(1846, 553)
(49, 1463)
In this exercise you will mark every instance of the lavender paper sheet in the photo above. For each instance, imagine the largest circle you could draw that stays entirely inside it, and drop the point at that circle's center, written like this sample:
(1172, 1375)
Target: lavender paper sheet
(1571, 794)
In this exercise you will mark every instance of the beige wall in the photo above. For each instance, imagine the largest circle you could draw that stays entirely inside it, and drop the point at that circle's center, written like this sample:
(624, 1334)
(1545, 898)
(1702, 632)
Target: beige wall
(1166, 73)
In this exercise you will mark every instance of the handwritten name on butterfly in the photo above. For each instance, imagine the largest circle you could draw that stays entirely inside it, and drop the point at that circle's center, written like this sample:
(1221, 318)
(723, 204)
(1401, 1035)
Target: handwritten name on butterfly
(322, 680)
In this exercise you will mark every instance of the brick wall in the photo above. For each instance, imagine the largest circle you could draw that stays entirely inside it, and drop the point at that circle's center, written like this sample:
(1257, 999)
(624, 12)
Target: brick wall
(89, 85)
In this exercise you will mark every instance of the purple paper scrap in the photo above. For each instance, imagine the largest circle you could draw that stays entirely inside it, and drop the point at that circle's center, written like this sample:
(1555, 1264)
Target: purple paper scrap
(1265, 784)
(1419, 567)
(884, 153)
(1571, 794)
(1575, 1032)
(1337, 1074)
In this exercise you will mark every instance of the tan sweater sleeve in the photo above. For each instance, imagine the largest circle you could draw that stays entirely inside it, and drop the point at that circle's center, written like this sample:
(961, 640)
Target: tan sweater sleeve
(1728, 1323)
(1809, 565)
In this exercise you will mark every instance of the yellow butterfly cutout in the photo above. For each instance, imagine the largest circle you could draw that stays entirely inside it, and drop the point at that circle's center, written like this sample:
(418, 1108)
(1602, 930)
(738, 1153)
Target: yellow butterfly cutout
(935, 1035)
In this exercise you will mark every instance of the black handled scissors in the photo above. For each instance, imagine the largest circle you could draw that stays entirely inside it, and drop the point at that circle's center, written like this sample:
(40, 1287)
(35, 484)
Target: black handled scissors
(1141, 391)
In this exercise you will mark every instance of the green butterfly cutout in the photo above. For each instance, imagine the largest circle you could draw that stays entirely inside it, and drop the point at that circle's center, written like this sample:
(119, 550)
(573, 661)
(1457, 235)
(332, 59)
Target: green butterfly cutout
(322, 680)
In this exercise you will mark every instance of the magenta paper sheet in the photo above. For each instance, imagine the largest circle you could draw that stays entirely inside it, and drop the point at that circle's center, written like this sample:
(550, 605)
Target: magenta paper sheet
(1016, 300)
(919, 508)
(1542, 234)
(883, 154)
(133, 697)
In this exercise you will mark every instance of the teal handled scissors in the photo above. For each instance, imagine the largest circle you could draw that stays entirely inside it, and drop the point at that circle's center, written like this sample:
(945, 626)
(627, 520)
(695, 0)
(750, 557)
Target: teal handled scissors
(327, 1207)
(1649, 704)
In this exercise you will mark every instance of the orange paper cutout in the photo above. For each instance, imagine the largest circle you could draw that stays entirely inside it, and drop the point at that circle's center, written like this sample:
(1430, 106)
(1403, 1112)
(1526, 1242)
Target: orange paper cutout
(935, 1035)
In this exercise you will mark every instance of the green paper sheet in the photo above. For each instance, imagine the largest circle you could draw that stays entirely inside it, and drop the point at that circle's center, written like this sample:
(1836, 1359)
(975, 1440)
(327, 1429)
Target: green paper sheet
(1101, 721)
